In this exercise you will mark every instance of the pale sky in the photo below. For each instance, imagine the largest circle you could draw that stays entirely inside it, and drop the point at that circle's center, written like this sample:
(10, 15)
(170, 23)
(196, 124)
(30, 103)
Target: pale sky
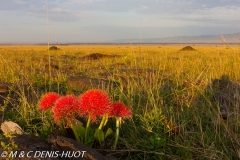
(84, 21)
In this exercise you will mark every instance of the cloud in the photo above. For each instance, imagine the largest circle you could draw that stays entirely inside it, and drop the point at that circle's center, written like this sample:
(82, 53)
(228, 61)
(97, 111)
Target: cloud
(73, 10)
(58, 10)
(183, 6)
(83, 1)
(60, 14)
(217, 14)
(154, 6)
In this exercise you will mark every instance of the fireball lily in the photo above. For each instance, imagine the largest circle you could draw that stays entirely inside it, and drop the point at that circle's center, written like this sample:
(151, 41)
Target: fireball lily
(65, 111)
(94, 103)
(119, 110)
(48, 101)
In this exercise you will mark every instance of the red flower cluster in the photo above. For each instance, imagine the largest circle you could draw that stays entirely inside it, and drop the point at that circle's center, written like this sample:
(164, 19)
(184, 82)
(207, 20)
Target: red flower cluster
(94, 103)
(66, 109)
(120, 110)
(48, 100)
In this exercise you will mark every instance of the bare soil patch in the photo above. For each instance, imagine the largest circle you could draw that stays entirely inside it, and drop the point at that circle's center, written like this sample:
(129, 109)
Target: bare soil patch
(97, 56)
(227, 96)
(83, 83)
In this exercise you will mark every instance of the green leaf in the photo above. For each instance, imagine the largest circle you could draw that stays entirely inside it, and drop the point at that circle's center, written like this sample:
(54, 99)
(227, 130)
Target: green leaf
(89, 142)
(99, 135)
(81, 132)
(157, 141)
(3, 144)
(109, 131)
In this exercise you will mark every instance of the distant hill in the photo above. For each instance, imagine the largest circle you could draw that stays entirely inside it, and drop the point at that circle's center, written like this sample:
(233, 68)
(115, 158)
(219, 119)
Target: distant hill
(224, 38)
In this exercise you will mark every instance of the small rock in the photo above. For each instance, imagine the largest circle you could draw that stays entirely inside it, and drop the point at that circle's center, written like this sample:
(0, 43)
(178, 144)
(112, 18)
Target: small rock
(67, 144)
(57, 144)
(9, 127)
(26, 143)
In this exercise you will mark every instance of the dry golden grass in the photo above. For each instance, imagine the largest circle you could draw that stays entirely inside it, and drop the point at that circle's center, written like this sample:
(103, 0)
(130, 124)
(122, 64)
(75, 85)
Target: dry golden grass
(175, 115)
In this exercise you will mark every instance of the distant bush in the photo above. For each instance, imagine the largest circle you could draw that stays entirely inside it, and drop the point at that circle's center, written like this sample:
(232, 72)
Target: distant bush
(54, 48)
(188, 48)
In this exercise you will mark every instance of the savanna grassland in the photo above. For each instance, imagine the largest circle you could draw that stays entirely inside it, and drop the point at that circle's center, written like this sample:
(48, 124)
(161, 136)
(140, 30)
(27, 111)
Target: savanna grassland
(171, 94)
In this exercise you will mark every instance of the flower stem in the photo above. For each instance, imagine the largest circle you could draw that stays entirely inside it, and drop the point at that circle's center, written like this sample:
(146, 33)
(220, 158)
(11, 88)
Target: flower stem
(102, 122)
(62, 129)
(87, 129)
(118, 119)
(75, 132)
